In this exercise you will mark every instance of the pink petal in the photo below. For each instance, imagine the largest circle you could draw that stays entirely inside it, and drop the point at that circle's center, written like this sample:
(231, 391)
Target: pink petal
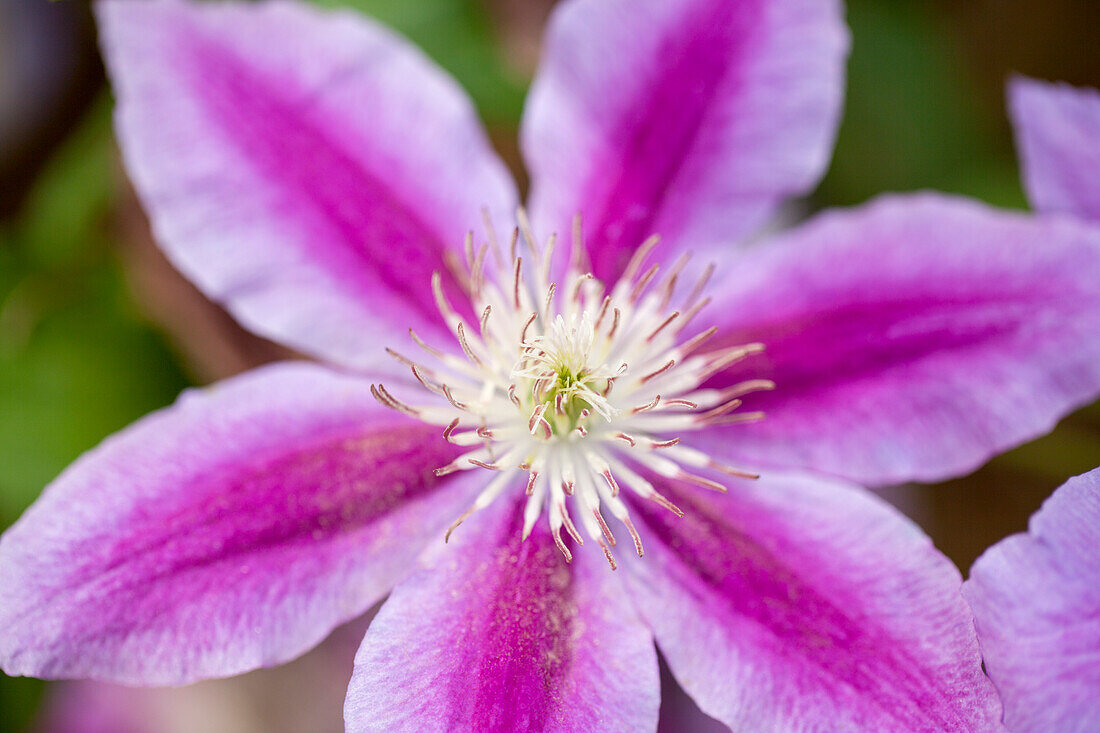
(1058, 137)
(1036, 600)
(308, 169)
(692, 119)
(231, 531)
(96, 707)
(911, 338)
(797, 603)
(499, 634)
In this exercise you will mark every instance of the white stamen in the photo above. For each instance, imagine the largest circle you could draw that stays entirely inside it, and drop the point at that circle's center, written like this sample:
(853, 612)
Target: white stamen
(570, 395)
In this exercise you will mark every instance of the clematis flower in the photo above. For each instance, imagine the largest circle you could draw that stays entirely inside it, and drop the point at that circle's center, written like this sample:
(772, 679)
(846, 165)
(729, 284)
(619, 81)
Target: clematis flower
(319, 177)
(1036, 598)
(1035, 595)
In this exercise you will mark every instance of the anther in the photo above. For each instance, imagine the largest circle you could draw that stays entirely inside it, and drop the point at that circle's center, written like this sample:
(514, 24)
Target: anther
(664, 323)
(468, 248)
(404, 359)
(424, 345)
(705, 483)
(741, 417)
(418, 372)
(466, 346)
(639, 257)
(614, 324)
(451, 398)
(730, 470)
(664, 502)
(523, 334)
(385, 398)
(647, 406)
(491, 232)
(696, 341)
(465, 515)
(702, 283)
(516, 281)
(653, 375)
(512, 244)
(607, 554)
(441, 302)
(611, 483)
(727, 357)
(477, 271)
(561, 545)
(449, 430)
(604, 529)
(692, 312)
(743, 388)
(525, 230)
(664, 443)
(634, 536)
(626, 438)
(569, 526)
(719, 410)
(643, 283)
(575, 294)
(670, 282)
(484, 323)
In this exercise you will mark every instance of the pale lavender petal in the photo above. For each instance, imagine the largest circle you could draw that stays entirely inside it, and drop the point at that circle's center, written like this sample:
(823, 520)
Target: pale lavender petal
(798, 603)
(305, 695)
(1058, 139)
(1036, 601)
(687, 118)
(231, 531)
(911, 338)
(306, 168)
(499, 634)
(98, 707)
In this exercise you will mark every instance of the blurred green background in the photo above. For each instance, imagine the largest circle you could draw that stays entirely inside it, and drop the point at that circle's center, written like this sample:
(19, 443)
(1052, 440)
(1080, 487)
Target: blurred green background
(96, 329)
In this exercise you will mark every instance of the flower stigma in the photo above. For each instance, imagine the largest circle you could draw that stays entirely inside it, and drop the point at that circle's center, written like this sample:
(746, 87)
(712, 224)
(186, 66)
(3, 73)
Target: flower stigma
(574, 392)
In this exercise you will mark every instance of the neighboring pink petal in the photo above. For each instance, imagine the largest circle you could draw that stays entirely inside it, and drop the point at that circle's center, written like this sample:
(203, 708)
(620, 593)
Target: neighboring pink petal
(912, 338)
(499, 634)
(98, 707)
(231, 531)
(691, 119)
(306, 168)
(1036, 600)
(797, 603)
(304, 695)
(1058, 139)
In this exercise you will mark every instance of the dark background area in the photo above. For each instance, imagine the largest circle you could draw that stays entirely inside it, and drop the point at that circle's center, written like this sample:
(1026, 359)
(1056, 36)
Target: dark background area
(97, 329)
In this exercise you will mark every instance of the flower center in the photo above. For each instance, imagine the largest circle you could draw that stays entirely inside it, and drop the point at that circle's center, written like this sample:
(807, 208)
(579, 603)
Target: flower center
(574, 394)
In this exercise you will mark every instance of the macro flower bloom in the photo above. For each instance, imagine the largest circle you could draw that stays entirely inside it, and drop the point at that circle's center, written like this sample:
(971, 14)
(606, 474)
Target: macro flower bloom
(1036, 596)
(319, 177)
